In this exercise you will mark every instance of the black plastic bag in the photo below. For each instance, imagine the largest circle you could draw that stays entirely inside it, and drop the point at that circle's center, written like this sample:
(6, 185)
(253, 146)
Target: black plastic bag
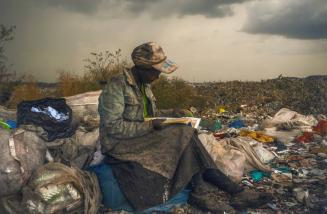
(52, 114)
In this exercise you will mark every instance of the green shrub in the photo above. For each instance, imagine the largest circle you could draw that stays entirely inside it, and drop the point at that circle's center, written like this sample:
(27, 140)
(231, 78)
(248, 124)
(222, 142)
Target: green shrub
(177, 93)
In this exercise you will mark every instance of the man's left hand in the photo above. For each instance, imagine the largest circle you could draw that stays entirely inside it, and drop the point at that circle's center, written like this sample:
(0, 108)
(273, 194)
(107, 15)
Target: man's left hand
(182, 113)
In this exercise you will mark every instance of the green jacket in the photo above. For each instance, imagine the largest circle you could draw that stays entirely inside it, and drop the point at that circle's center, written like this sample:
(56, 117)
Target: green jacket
(121, 110)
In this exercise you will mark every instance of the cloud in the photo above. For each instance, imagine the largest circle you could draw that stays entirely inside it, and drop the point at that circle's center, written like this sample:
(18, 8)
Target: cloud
(81, 6)
(156, 8)
(209, 8)
(300, 19)
(51, 35)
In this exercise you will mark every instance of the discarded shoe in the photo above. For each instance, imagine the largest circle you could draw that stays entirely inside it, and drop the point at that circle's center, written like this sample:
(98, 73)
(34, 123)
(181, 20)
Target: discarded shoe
(249, 199)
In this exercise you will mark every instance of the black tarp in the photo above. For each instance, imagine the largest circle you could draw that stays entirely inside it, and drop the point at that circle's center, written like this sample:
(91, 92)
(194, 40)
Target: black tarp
(144, 188)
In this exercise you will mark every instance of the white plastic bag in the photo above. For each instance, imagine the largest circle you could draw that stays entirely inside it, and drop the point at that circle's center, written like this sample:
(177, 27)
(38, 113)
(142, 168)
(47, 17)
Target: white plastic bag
(253, 159)
(265, 155)
(85, 108)
(227, 158)
(287, 119)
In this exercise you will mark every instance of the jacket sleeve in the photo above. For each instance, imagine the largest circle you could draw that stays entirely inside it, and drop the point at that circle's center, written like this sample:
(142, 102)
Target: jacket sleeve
(111, 109)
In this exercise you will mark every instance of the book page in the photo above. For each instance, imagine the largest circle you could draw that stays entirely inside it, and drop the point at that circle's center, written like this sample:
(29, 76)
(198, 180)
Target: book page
(182, 120)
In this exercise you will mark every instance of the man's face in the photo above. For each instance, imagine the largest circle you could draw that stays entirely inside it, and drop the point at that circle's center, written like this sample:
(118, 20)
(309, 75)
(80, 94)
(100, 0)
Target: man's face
(149, 75)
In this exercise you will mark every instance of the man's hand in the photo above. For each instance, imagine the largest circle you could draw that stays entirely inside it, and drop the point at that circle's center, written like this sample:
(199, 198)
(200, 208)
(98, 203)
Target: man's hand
(182, 113)
(158, 124)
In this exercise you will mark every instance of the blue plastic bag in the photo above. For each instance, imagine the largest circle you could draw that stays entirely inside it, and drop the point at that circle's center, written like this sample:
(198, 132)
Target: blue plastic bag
(113, 197)
(237, 124)
(12, 124)
(257, 175)
(179, 199)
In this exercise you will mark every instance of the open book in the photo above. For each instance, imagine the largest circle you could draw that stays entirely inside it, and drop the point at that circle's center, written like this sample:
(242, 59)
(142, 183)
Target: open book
(193, 121)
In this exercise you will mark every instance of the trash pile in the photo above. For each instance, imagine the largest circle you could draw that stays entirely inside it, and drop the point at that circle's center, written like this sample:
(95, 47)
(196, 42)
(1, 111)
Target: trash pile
(304, 95)
(285, 155)
(46, 147)
(51, 159)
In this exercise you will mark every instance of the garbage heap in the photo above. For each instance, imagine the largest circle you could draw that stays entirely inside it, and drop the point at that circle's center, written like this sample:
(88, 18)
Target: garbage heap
(285, 154)
(46, 147)
(44, 162)
(305, 95)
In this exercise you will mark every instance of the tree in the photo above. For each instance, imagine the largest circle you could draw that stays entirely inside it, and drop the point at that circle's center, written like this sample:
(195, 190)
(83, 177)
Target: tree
(99, 68)
(6, 34)
(103, 65)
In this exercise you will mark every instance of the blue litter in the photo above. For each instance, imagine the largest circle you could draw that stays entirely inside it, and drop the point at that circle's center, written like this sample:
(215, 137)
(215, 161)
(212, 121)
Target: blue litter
(257, 175)
(179, 199)
(237, 124)
(12, 124)
(113, 197)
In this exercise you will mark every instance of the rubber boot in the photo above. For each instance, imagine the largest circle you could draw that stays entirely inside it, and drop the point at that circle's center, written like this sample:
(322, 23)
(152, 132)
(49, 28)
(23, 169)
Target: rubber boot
(202, 197)
(219, 179)
(250, 199)
(208, 203)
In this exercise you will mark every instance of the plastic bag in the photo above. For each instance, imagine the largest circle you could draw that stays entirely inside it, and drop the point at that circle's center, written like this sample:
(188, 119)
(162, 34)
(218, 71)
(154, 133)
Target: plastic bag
(114, 198)
(237, 124)
(257, 136)
(76, 150)
(53, 115)
(321, 128)
(253, 160)
(227, 158)
(56, 188)
(306, 137)
(20, 153)
(287, 119)
(85, 108)
(265, 155)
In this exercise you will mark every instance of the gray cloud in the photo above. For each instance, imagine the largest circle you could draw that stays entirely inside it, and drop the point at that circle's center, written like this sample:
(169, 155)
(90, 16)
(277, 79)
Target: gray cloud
(209, 8)
(58, 34)
(82, 6)
(156, 8)
(300, 19)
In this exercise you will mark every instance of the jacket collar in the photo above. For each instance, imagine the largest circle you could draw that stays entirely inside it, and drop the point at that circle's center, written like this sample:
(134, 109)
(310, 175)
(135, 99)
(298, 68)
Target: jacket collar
(129, 76)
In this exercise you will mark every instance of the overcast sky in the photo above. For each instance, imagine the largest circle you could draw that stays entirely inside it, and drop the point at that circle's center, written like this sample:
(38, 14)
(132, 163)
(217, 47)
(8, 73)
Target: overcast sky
(209, 39)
